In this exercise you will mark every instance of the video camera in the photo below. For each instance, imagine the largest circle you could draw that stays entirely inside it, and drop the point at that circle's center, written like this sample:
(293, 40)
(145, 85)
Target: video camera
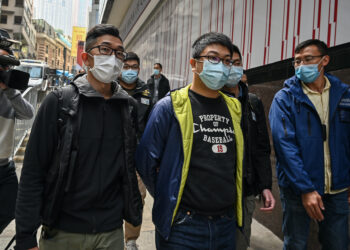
(12, 78)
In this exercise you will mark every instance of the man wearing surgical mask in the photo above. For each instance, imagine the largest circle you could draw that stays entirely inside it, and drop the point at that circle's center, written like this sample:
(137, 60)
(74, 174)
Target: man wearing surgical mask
(158, 84)
(310, 125)
(257, 174)
(93, 137)
(190, 155)
(135, 87)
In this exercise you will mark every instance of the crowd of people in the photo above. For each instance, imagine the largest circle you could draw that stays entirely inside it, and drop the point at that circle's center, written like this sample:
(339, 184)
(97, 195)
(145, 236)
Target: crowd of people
(201, 151)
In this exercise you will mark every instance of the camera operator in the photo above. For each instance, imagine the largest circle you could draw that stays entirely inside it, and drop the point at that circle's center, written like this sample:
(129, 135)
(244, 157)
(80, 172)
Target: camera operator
(12, 106)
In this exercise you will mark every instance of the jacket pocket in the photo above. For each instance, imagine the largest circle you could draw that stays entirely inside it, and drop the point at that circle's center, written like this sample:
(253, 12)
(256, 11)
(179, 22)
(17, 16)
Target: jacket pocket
(344, 115)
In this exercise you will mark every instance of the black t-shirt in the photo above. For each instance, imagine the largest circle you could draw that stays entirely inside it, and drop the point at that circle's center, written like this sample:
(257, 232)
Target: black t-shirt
(210, 187)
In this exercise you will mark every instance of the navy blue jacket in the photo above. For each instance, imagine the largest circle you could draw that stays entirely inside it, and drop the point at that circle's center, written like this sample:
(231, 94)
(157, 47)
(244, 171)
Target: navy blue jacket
(298, 138)
(164, 153)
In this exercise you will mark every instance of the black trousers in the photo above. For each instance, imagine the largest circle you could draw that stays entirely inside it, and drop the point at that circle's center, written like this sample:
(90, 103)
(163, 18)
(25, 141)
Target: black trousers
(8, 194)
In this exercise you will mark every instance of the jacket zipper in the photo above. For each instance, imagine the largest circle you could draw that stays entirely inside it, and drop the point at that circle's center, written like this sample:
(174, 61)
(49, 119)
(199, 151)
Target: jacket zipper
(100, 147)
(94, 223)
(284, 126)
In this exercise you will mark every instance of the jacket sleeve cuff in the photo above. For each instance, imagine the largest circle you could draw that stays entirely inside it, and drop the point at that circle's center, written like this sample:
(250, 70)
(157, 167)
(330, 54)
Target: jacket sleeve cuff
(308, 190)
(26, 243)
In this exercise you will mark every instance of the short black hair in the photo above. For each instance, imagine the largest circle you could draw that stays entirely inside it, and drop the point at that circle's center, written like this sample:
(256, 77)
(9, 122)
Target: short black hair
(100, 30)
(160, 65)
(322, 47)
(211, 38)
(132, 56)
(236, 50)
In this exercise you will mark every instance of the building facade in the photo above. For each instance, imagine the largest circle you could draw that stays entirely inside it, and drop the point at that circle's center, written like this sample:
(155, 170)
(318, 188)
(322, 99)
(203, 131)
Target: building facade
(16, 16)
(94, 13)
(63, 54)
(57, 13)
(52, 47)
(266, 31)
(81, 13)
(46, 42)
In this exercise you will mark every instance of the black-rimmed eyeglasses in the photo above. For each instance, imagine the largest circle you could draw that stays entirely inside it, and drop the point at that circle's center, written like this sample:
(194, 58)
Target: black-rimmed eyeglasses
(306, 60)
(215, 60)
(107, 51)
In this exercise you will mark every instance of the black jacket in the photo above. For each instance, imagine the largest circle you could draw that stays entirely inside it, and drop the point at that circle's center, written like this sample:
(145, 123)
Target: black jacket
(79, 176)
(257, 174)
(163, 87)
(142, 95)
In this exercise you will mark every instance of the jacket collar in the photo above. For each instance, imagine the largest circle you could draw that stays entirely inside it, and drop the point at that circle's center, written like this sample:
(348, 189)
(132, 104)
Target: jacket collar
(85, 88)
(139, 88)
(180, 97)
(337, 90)
(153, 78)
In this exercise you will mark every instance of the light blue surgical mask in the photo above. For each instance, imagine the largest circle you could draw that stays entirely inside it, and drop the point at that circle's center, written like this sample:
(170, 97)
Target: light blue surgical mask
(156, 72)
(129, 76)
(235, 76)
(214, 76)
(308, 73)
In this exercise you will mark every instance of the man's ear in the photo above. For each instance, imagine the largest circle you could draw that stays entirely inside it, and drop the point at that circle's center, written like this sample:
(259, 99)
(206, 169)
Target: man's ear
(325, 60)
(85, 58)
(193, 64)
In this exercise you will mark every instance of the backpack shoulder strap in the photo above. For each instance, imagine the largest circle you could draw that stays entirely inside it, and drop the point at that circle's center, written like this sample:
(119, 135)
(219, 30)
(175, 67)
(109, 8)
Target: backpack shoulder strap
(66, 96)
(253, 101)
(67, 105)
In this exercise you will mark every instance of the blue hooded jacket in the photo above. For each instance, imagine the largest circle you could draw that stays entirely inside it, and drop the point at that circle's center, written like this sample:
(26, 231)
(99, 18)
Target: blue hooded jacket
(298, 138)
(164, 153)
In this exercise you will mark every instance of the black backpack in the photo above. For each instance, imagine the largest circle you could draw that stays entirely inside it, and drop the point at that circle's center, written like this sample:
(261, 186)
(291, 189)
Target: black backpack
(60, 172)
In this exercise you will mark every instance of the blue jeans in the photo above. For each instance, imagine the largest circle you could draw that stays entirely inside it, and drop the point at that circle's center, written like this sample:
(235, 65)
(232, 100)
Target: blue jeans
(193, 231)
(333, 230)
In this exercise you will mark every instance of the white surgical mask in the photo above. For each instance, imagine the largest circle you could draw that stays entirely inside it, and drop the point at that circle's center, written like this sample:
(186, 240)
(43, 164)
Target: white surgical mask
(106, 68)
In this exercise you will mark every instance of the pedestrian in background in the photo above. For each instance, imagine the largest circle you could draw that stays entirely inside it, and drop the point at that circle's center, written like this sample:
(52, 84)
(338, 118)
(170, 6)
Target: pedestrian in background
(190, 155)
(12, 106)
(310, 125)
(257, 174)
(135, 87)
(158, 84)
(78, 178)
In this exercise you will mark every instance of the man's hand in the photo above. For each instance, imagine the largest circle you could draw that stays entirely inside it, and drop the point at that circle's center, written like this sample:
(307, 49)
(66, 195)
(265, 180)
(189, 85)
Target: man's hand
(269, 201)
(313, 204)
(2, 86)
